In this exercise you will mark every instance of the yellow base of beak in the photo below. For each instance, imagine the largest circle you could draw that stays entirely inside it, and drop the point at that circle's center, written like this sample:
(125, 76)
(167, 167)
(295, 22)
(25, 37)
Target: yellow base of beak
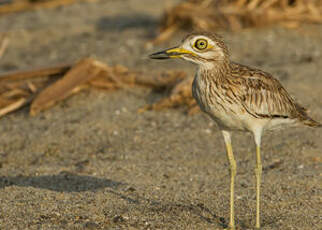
(175, 52)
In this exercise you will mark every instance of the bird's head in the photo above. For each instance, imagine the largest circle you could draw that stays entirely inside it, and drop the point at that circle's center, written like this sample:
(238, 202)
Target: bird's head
(204, 49)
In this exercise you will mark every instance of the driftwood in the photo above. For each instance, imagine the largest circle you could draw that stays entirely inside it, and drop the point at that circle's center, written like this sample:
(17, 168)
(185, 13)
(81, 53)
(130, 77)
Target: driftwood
(211, 15)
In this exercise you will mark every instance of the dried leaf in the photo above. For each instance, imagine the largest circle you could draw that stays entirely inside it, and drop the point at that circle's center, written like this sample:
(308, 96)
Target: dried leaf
(32, 87)
(15, 93)
(4, 42)
(34, 73)
(13, 106)
(23, 5)
(236, 14)
(179, 96)
(89, 73)
(82, 72)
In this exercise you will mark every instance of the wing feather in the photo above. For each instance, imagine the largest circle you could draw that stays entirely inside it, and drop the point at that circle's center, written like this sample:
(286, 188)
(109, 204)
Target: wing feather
(262, 95)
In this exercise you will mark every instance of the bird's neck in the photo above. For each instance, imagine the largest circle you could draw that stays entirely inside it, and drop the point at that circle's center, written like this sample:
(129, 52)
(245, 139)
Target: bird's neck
(217, 69)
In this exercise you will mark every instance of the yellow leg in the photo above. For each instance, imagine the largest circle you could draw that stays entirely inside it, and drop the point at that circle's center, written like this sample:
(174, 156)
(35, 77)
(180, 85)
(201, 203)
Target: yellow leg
(258, 174)
(232, 163)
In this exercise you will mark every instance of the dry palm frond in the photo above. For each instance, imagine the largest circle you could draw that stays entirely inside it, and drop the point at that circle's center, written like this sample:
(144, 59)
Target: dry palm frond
(179, 96)
(45, 87)
(23, 5)
(4, 42)
(64, 87)
(212, 15)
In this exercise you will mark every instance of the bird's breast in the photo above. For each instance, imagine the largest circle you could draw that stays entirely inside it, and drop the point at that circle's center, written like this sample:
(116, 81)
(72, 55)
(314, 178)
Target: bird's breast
(199, 92)
(212, 100)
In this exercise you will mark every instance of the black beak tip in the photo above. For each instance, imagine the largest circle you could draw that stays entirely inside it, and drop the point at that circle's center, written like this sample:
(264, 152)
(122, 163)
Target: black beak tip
(159, 55)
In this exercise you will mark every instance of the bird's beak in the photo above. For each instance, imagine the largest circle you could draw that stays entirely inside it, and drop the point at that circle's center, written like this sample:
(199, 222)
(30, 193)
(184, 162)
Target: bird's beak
(175, 52)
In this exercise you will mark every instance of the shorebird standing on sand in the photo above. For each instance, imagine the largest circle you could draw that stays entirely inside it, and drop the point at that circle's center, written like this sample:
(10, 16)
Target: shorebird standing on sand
(237, 97)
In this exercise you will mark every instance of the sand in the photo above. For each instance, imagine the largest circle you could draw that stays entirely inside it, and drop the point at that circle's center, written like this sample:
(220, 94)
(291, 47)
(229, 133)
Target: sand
(93, 162)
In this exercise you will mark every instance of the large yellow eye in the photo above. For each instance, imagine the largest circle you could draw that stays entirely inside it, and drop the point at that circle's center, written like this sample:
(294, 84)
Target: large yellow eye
(201, 44)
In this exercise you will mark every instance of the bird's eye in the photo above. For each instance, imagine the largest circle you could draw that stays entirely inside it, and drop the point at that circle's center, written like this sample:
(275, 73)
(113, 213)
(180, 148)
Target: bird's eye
(201, 44)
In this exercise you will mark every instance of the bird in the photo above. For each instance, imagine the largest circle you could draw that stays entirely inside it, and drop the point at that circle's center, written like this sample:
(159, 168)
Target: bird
(238, 98)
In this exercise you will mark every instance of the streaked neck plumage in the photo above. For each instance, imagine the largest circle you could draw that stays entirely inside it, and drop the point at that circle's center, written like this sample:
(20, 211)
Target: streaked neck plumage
(215, 69)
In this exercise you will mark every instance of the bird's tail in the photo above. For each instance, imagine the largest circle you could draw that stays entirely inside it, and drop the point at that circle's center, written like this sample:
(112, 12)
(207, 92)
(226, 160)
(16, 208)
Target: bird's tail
(311, 123)
(306, 119)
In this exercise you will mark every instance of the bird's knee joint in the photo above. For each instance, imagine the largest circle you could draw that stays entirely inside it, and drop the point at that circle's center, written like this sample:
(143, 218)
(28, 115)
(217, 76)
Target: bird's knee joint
(259, 170)
(233, 168)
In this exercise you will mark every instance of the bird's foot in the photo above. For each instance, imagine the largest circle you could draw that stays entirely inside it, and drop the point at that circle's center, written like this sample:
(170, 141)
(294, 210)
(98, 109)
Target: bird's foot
(257, 227)
(233, 228)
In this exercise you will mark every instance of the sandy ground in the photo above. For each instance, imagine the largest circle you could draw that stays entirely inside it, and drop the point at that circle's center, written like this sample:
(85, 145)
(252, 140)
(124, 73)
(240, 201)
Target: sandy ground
(92, 162)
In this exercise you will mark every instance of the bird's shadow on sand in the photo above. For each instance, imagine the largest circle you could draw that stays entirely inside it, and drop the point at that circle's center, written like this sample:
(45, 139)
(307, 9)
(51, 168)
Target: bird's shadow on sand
(69, 182)
(62, 182)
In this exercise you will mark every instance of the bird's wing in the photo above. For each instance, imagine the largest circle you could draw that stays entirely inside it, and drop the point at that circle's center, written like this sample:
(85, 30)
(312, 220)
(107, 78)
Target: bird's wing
(262, 95)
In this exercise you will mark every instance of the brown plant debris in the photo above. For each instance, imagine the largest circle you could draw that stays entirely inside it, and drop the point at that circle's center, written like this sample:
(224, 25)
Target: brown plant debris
(4, 42)
(18, 88)
(34, 73)
(12, 6)
(69, 84)
(180, 95)
(211, 15)
(45, 87)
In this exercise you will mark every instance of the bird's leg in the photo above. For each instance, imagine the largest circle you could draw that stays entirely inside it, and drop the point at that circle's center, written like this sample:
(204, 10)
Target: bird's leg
(258, 173)
(232, 163)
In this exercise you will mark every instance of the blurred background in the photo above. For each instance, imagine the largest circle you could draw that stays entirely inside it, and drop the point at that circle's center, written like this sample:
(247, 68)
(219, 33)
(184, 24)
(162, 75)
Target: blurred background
(123, 145)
